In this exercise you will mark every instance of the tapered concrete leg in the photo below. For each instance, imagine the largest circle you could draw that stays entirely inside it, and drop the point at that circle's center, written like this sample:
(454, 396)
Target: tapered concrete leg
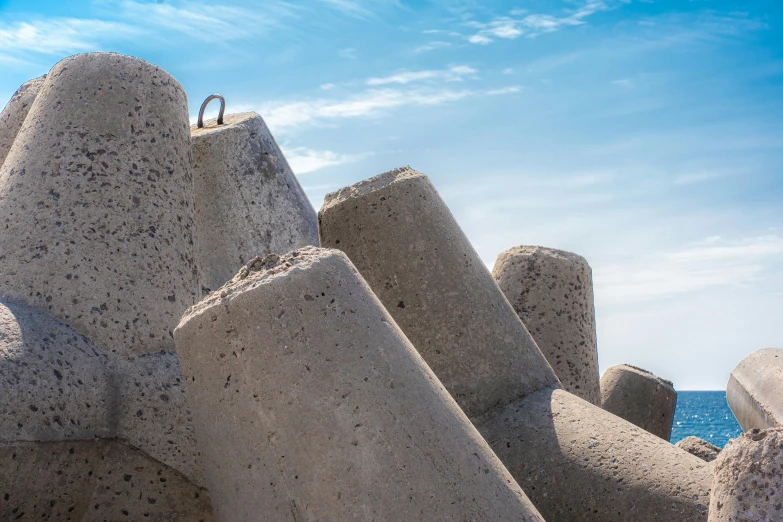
(755, 390)
(93, 480)
(405, 242)
(552, 292)
(310, 404)
(248, 201)
(56, 385)
(96, 204)
(699, 448)
(15, 112)
(639, 397)
(748, 480)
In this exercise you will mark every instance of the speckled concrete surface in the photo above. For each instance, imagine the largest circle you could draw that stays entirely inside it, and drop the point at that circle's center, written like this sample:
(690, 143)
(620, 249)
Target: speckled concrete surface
(755, 389)
(93, 480)
(577, 462)
(15, 112)
(639, 397)
(748, 482)
(699, 448)
(248, 201)
(552, 292)
(56, 385)
(401, 236)
(310, 404)
(96, 204)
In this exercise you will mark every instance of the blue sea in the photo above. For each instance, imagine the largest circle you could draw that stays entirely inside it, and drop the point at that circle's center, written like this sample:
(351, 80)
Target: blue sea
(704, 414)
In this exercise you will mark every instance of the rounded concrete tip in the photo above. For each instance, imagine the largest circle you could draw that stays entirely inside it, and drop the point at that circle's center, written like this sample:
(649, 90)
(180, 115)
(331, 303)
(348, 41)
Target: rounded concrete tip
(109, 58)
(642, 372)
(540, 251)
(259, 271)
(230, 120)
(398, 175)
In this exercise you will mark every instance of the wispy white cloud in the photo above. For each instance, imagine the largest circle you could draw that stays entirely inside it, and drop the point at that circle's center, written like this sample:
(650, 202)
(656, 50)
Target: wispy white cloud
(347, 53)
(303, 160)
(505, 90)
(714, 262)
(55, 36)
(432, 46)
(289, 115)
(519, 23)
(452, 74)
(327, 86)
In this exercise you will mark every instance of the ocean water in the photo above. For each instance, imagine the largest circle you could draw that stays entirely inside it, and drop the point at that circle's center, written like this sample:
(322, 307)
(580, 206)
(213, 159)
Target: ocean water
(704, 414)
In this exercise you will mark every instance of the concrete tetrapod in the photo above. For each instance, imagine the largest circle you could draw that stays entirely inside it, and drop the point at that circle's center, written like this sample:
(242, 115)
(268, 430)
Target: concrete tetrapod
(552, 292)
(748, 481)
(755, 389)
(55, 385)
(96, 203)
(91, 481)
(575, 461)
(248, 201)
(15, 112)
(640, 397)
(310, 404)
(700, 448)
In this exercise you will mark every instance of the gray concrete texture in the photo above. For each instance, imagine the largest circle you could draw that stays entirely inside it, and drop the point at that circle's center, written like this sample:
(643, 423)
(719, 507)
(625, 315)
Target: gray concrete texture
(552, 292)
(748, 482)
(640, 397)
(15, 112)
(56, 385)
(93, 480)
(96, 204)
(755, 389)
(699, 448)
(310, 404)
(248, 201)
(401, 236)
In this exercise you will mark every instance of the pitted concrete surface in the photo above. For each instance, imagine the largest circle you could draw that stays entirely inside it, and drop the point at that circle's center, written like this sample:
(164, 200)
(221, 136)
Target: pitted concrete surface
(154, 414)
(15, 112)
(56, 385)
(748, 482)
(699, 448)
(552, 292)
(93, 480)
(579, 463)
(639, 397)
(96, 204)
(401, 236)
(407, 245)
(755, 390)
(248, 201)
(310, 404)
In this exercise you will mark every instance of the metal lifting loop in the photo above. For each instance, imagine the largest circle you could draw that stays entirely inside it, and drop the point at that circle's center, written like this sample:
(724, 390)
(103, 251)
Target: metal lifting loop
(200, 123)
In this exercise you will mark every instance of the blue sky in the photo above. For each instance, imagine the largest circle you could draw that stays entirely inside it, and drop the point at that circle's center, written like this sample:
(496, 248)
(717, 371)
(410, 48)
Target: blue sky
(645, 135)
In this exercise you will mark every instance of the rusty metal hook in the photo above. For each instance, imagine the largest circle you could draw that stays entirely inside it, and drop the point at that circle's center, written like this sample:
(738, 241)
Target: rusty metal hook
(200, 123)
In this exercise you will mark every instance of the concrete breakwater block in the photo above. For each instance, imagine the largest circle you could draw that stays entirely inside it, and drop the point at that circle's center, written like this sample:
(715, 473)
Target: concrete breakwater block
(91, 481)
(15, 112)
(640, 397)
(56, 385)
(700, 448)
(748, 480)
(96, 203)
(755, 389)
(310, 404)
(248, 201)
(575, 461)
(552, 292)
